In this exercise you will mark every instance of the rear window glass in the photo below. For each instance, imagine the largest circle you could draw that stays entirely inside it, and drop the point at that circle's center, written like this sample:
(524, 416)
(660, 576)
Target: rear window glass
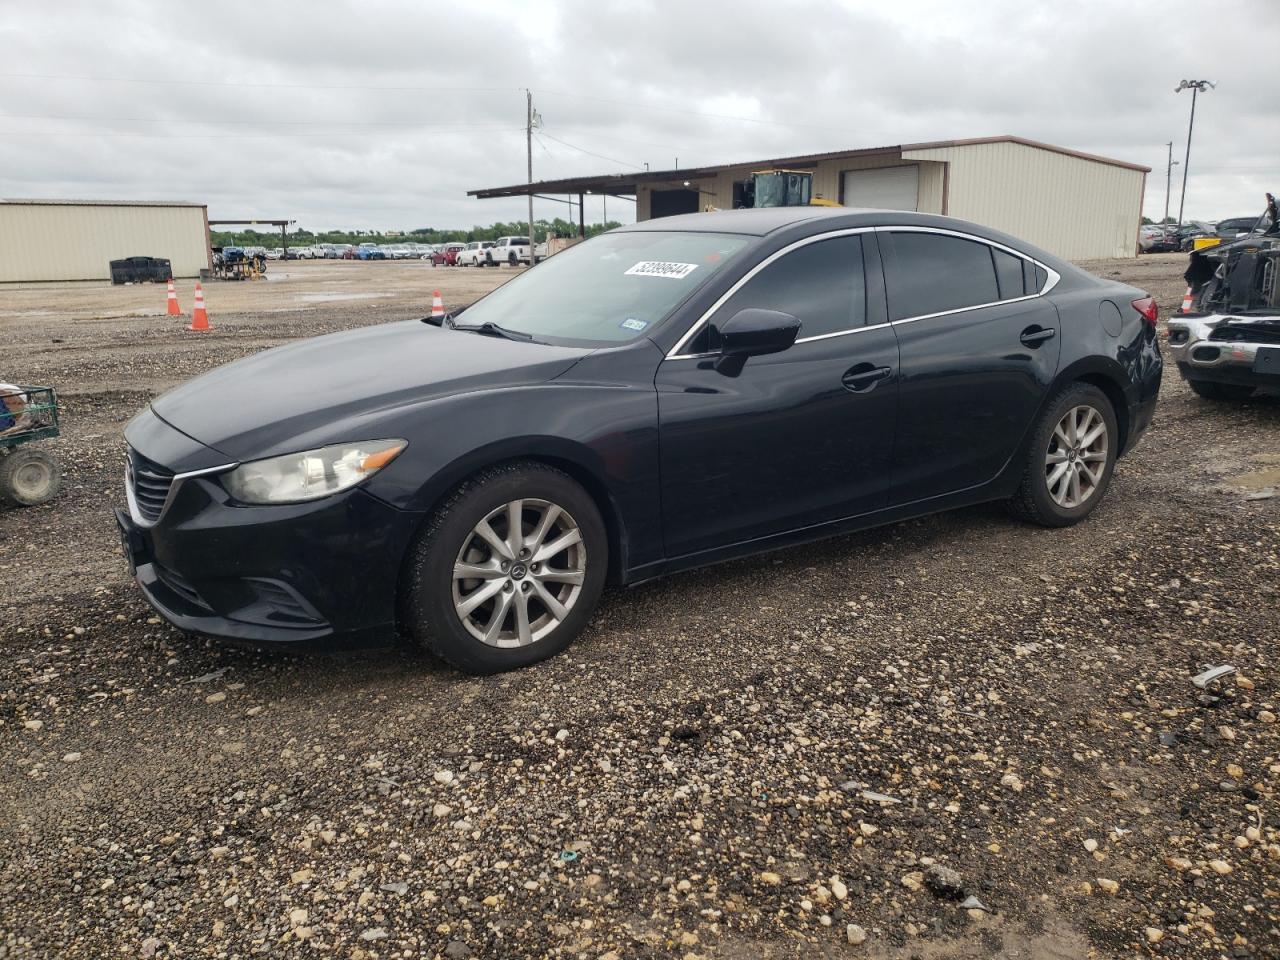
(1008, 274)
(932, 273)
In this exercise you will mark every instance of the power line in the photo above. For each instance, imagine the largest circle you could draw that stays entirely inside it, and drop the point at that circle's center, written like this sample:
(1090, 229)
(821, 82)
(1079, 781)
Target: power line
(210, 136)
(598, 156)
(336, 123)
(256, 83)
(415, 89)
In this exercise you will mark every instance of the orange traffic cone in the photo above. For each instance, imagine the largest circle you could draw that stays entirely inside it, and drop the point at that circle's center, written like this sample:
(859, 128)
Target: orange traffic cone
(1186, 301)
(199, 318)
(174, 309)
(437, 307)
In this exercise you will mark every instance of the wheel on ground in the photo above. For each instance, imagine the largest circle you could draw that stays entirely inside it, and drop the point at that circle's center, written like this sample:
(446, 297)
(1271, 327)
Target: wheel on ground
(1070, 459)
(508, 570)
(29, 477)
(1220, 391)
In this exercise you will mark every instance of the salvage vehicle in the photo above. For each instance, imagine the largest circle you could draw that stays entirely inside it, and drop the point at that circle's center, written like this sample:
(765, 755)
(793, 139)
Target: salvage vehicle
(1228, 344)
(667, 395)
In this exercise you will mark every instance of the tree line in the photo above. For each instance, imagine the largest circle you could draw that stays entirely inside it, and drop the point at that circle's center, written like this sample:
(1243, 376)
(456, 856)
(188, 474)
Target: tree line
(541, 228)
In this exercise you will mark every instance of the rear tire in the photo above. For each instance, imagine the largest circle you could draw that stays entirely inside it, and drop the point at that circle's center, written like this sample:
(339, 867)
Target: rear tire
(1069, 463)
(29, 477)
(1234, 392)
(523, 604)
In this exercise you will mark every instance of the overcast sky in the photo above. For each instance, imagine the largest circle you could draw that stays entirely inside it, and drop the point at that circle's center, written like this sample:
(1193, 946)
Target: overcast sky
(383, 114)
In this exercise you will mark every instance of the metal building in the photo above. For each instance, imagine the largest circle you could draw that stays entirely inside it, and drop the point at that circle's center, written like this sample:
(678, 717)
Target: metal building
(1077, 205)
(78, 239)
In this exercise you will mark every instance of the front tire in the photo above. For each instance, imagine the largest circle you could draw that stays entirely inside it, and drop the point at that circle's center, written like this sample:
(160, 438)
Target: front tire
(508, 571)
(1234, 392)
(1070, 460)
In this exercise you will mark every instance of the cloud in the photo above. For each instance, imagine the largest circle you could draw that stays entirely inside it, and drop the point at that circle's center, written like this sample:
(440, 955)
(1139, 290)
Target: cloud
(369, 115)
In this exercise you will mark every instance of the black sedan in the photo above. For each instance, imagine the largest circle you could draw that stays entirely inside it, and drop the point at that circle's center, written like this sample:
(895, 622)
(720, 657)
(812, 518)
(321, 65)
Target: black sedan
(670, 394)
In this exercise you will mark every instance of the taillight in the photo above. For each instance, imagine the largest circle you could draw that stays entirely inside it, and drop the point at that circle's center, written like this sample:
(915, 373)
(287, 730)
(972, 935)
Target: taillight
(1147, 307)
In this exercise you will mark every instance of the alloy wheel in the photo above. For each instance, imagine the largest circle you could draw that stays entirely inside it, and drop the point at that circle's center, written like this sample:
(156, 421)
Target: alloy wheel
(519, 573)
(1076, 460)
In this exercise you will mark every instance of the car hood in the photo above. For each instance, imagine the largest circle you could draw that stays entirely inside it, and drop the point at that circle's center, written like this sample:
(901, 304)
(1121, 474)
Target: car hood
(338, 387)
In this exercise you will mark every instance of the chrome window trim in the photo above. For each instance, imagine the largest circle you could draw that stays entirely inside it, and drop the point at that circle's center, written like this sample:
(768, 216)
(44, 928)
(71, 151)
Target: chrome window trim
(1051, 281)
(178, 478)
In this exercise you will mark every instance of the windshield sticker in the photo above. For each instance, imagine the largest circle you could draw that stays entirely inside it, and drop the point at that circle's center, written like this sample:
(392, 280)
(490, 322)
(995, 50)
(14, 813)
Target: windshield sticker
(662, 268)
(631, 323)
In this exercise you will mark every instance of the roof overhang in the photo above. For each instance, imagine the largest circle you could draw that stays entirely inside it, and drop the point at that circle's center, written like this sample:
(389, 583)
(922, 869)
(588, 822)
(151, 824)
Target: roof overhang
(625, 184)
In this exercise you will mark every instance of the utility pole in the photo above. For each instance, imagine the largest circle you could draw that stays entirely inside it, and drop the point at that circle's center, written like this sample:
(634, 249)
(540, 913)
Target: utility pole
(528, 139)
(604, 209)
(1195, 86)
(1168, 180)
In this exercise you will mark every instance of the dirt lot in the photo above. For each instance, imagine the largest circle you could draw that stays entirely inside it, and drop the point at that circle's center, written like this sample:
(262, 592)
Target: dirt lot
(701, 775)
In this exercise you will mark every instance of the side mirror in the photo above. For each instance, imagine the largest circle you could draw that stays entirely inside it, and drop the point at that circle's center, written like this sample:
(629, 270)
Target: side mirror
(753, 333)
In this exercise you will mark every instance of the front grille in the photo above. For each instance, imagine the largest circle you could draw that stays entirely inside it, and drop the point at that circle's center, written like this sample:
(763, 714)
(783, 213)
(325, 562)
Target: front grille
(1247, 333)
(278, 605)
(150, 484)
(179, 585)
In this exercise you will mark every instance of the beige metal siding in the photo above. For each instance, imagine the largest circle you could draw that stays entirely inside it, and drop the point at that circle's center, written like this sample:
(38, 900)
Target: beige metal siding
(1071, 206)
(717, 191)
(71, 241)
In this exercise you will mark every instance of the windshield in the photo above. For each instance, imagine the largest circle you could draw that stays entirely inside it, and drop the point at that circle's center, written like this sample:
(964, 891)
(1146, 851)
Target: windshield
(613, 288)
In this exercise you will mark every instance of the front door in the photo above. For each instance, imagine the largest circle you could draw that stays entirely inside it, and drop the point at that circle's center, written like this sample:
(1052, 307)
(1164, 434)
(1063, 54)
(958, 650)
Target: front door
(979, 351)
(797, 438)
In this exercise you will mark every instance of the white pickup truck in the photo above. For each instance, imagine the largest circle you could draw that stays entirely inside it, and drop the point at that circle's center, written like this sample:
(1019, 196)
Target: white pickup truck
(512, 251)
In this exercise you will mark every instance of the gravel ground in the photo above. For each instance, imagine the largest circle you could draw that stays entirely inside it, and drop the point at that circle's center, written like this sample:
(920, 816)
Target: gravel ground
(818, 753)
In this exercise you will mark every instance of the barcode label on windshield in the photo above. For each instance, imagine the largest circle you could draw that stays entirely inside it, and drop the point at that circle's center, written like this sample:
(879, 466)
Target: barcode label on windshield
(662, 268)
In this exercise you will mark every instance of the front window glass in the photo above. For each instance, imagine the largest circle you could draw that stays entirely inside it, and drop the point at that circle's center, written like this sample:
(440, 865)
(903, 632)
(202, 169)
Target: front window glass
(609, 289)
(822, 284)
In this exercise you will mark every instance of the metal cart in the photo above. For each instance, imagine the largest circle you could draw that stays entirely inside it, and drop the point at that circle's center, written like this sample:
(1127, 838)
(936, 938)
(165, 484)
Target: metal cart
(28, 475)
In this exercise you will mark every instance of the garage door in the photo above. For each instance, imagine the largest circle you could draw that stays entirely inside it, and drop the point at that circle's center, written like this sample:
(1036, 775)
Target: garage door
(886, 188)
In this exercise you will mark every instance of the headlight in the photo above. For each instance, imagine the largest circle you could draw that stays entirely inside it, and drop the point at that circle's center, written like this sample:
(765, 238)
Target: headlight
(312, 474)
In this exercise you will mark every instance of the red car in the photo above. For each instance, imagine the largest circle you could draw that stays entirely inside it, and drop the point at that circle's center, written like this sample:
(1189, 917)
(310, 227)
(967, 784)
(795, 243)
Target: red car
(447, 255)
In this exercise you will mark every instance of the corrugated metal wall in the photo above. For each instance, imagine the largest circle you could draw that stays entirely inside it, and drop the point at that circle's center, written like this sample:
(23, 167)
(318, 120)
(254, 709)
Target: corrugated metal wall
(1072, 206)
(69, 241)
(717, 191)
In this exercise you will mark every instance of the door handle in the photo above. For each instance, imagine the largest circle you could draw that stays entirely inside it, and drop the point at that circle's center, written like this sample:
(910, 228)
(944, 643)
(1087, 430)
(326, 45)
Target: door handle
(863, 377)
(1033, 336)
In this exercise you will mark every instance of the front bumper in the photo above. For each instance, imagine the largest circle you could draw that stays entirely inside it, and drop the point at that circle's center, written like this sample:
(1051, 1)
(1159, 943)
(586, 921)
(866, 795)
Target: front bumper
(319, 574)
(1217, 361)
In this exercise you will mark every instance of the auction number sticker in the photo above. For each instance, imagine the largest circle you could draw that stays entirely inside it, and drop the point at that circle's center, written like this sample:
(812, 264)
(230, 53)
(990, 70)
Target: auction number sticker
(662, 268)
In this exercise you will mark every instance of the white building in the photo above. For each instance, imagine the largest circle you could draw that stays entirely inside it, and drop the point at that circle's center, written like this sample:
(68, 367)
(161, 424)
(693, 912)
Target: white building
(78, 239)
(1076, 205)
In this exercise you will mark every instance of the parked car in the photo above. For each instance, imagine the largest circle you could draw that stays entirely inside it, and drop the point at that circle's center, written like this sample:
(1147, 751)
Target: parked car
(670, 394)
(1157, 238)
(370, 251)
(447, 254)
(1191, 231)
(1228, 344)
(275, 253)
(1240, 226)
(469, 256)
(512, 251)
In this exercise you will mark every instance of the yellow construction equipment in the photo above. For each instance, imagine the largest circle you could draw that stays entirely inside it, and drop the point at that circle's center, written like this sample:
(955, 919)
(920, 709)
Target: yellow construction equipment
(783, 188)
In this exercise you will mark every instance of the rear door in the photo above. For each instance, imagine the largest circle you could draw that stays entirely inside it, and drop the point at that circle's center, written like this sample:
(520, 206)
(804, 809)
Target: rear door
(798, 437)
(979, 350)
